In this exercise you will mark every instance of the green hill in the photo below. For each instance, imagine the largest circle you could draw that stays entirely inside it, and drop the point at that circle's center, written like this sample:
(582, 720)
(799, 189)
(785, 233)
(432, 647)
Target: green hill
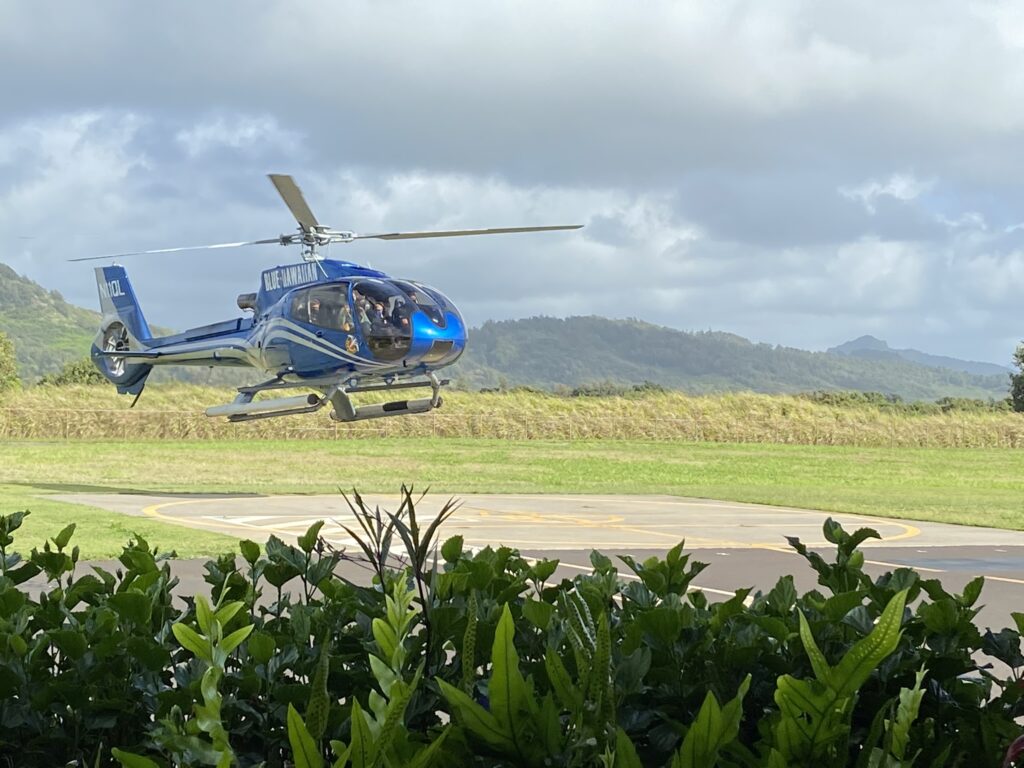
(47, 332)
(546, 352)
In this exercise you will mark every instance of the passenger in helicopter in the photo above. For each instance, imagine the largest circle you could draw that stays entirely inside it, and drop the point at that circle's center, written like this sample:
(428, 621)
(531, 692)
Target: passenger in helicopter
(345, 318)
(361, 314)
(314, 311)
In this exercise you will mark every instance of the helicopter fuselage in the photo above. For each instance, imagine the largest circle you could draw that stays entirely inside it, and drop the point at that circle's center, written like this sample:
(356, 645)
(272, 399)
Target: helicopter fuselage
(312, 320)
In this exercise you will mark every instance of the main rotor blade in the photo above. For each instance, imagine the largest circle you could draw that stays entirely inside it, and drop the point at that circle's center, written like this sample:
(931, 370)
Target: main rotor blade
(461, 232)
(292, 196)
(175, 250)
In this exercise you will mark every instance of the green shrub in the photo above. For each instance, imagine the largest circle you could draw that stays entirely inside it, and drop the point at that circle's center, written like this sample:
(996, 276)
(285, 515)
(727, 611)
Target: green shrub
(1017, 381)
(8, 364)
(74, 372)
(486, 659)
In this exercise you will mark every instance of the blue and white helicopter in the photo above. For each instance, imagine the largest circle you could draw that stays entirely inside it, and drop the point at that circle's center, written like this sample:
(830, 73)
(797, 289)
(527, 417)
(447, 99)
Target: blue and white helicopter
(331, 326)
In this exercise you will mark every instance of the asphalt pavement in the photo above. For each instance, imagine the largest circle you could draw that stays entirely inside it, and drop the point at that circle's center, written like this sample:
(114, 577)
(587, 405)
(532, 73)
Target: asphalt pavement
(745, 544)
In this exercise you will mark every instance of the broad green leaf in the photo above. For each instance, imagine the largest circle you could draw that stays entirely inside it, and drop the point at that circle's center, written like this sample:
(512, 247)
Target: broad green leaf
(227, 612)
(304, 750)
(133, 606)
(261, 647)
(204, 616)
(361, 751)
(819, 664)
(861, 660)
(250, 551)
(972, 591)
(625, 752)
(71, 642)
(543, 569)
(570, 697)
(385, 637)
(469, 644)
(906, 714)
(426, 757)
(1018, 619)
(308, 540)
(342, 751)
(507, 690)
(63, 538)
(451, 550)
(232, 641)
(319, 701)
(131, 760)
(538, 612)
(476, 719)
(714, 728)
(23, 573)
(191, 641)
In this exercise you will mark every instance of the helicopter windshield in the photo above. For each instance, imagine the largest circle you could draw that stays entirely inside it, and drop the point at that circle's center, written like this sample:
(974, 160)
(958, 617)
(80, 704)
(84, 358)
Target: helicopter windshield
(424, 302)
(325, 306)
(383, 312)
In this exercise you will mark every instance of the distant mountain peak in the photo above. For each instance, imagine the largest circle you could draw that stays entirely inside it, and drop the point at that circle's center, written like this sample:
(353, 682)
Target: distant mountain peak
(869, 347)
(861, 343)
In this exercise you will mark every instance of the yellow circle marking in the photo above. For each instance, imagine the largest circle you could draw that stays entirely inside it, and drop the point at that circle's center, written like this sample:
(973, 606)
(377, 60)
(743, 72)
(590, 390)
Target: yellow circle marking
(613, 524)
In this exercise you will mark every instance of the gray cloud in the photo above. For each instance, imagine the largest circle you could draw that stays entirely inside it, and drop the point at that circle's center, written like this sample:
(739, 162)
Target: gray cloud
(798, 173)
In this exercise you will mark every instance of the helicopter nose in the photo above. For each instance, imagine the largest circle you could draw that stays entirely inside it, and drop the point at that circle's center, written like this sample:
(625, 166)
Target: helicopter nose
(439, 346)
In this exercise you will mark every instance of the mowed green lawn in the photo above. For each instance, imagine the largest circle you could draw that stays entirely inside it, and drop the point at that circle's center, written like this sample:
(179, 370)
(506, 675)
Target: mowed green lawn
(967, 486)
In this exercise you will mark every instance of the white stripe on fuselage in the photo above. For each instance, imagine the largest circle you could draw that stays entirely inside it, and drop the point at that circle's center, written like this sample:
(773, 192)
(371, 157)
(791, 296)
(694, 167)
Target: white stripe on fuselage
(243, 348)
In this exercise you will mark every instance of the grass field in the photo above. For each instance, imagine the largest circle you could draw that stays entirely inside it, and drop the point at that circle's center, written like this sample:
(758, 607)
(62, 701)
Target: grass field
(169, 411)
(968, 486)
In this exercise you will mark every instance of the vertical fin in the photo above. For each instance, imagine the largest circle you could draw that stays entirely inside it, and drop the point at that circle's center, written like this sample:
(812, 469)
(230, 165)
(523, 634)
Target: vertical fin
(117, 298)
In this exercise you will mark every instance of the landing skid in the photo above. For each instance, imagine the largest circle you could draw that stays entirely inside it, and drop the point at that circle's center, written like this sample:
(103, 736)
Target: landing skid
(244, 408)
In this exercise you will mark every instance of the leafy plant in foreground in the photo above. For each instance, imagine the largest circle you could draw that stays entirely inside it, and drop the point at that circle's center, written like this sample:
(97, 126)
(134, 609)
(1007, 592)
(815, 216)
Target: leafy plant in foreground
(180, 736)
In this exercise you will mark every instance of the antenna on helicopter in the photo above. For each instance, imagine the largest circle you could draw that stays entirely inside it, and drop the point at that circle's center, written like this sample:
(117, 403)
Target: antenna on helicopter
(311, 234)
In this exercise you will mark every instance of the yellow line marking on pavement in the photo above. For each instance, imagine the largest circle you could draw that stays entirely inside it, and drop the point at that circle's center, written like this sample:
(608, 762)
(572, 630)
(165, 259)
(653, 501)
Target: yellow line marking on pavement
(908, 531)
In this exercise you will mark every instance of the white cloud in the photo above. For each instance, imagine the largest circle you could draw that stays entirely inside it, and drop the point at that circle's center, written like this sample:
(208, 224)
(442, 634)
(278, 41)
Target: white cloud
(797, 172)
(899, 186)
(242, 132)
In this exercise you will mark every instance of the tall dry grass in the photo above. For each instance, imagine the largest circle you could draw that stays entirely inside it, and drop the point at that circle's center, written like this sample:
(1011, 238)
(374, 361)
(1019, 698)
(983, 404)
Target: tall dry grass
(176, 412)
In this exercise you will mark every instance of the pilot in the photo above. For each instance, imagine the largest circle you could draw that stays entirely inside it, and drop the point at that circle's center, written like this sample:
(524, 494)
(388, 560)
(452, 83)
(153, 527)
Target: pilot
(398, 316)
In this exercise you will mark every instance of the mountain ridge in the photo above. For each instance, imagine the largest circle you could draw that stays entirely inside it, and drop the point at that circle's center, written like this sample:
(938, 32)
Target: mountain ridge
(48, 332)
(546, 352)
(875, 348)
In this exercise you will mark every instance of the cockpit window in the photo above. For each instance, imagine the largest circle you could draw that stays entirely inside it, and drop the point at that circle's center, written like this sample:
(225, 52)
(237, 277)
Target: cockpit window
(424, 301)
(383, 314)
(442, 301)
(325, 306)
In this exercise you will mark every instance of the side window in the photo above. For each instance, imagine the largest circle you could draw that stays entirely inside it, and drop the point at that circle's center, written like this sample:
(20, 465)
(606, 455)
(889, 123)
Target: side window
(328, 307)
(300, 306)
(325, 306)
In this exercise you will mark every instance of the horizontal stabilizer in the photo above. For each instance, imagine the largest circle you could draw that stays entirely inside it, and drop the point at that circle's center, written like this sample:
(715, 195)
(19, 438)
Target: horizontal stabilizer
(147, 355)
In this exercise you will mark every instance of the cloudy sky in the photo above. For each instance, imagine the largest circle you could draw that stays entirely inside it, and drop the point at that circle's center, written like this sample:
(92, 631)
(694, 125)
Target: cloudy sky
(795, 172)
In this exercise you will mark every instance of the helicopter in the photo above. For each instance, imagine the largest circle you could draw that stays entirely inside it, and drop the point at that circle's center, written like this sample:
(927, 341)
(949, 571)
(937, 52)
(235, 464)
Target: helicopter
(334, 327)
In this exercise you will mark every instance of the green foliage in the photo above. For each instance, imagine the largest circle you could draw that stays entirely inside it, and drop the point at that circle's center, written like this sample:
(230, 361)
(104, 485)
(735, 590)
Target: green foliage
(1017, 381)
(74, 372)
(8, 364)
(814, 715)
(291, 665)
(565, 353)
